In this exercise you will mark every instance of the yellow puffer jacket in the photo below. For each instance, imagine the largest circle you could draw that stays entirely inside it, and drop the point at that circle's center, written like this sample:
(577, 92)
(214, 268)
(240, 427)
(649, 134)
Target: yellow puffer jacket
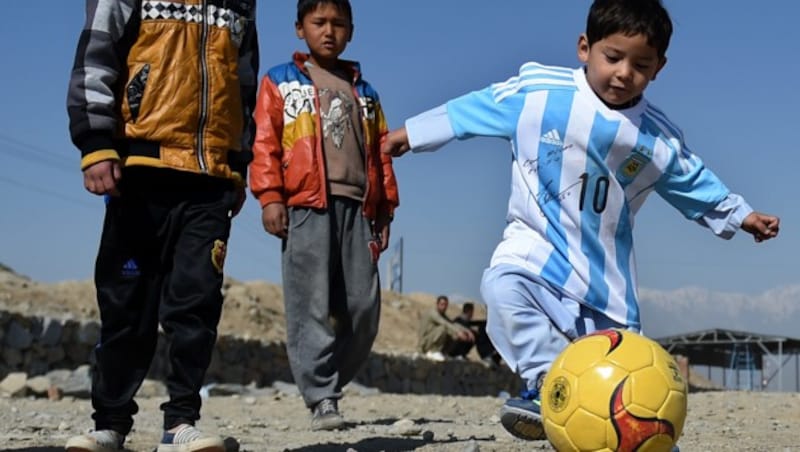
(185, 95)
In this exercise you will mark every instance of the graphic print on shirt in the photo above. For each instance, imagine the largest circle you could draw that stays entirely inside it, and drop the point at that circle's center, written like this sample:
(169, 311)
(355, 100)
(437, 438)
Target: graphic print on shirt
(367, 105)
(335, 122)
(298, 99)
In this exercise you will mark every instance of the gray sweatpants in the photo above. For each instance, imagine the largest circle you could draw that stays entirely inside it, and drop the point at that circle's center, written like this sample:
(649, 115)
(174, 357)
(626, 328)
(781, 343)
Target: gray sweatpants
(332, 297)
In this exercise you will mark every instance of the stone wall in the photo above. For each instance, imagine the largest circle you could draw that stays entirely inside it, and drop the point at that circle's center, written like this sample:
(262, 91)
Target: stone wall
(37, 345)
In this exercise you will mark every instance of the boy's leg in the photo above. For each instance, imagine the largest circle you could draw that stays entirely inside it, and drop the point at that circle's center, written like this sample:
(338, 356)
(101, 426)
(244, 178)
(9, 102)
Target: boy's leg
(591, 321)
(195, 233)
(519, 327)
(355, 297)
(127, 286)
(520, 324)
(306, 261)
(530, 323)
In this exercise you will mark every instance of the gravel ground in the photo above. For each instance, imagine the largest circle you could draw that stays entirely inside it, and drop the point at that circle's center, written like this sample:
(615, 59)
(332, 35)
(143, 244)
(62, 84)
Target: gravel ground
(717, 421)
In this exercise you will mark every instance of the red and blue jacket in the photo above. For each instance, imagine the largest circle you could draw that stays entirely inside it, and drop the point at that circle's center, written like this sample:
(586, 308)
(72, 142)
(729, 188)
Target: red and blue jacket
(288, 161)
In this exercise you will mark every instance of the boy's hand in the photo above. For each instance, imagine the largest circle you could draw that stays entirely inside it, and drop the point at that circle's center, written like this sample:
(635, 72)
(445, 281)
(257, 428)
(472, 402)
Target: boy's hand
(275, 219)
(396, 143)
(102, 177)
(382, 228)
(762, 226)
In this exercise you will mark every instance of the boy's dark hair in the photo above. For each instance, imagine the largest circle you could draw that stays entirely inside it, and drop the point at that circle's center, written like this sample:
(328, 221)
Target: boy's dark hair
(630, 17)
(306, 6)
(468, 307)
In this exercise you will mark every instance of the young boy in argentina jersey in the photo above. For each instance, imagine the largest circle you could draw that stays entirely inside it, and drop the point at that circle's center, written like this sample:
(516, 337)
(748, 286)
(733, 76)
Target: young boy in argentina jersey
(587, 150)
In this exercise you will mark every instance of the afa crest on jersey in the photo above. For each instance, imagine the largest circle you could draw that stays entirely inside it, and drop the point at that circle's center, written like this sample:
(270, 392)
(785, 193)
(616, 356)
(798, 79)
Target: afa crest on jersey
(631, 167)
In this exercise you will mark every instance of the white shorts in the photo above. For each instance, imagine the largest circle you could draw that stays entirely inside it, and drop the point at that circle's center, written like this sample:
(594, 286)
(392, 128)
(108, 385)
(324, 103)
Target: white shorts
(531, 321)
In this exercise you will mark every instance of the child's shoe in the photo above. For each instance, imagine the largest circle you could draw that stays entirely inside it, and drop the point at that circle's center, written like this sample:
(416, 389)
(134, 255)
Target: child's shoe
(326, 416)
(97, 441)
(523, 417)
(187, 438)
(435, 356)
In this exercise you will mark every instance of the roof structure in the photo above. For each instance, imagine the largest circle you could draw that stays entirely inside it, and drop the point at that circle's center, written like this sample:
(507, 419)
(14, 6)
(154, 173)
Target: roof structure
(733, 349)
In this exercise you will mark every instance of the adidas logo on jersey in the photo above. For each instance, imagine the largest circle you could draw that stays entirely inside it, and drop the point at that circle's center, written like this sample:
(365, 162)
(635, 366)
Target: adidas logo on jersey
(552, 137)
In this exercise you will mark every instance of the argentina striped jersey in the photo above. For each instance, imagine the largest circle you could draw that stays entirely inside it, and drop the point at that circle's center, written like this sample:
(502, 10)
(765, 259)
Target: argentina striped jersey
(580, 172)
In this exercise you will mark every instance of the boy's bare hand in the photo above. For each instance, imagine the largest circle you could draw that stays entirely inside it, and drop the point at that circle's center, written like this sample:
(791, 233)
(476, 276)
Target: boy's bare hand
(382, 228)
(762, 226)
(102, 177)
(275, 219)
(396, 143)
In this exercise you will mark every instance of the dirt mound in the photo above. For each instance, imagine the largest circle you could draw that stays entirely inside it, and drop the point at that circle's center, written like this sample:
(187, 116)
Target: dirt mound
(253, 309)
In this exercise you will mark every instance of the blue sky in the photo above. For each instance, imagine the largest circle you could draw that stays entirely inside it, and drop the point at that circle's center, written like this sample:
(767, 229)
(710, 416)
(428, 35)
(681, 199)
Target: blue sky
(730, 84)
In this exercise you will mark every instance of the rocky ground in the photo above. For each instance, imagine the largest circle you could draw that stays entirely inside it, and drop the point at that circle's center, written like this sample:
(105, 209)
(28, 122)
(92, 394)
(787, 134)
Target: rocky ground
(274, 419)
(717, 421)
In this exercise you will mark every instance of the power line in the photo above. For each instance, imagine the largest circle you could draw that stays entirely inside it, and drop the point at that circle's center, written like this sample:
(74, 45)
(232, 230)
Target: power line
(37, 149)
(61, 196)
(39, 160)
(20, 143)
(40, 156)
(37, 154)
(243, 226)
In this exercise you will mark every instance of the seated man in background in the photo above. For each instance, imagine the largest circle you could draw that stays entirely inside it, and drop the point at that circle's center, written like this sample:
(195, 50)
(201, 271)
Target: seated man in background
(483, 345)
(440, 337)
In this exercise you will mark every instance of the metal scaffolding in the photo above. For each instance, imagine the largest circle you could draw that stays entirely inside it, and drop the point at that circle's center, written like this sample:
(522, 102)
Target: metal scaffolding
(737, 351)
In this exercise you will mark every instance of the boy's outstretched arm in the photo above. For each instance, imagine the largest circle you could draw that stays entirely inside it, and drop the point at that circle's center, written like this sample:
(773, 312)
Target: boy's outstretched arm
(761, 226)
(396, 143)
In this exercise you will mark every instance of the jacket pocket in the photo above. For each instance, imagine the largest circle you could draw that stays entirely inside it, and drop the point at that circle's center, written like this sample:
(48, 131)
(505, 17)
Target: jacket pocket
(135, 91)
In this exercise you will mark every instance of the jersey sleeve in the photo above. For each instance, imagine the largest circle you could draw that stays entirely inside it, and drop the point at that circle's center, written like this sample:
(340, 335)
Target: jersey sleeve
(726, 217)
(688, 185)
(483, 113)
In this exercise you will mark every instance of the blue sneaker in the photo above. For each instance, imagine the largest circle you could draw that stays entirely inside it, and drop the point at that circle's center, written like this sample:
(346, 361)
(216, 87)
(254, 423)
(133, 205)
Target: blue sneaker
(523, 417)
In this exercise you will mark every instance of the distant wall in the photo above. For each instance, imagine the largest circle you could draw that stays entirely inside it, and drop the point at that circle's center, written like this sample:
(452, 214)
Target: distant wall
(37, 345)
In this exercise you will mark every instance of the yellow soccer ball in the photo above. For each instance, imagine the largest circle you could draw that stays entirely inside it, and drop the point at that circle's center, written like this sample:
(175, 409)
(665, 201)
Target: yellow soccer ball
(614, 390)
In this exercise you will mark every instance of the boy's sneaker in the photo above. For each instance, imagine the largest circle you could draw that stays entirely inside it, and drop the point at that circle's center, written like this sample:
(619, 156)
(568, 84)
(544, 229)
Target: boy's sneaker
(326, 416)
(97, 441)
(523, 417)
(435, 356)
(187, 438)
(488, 362)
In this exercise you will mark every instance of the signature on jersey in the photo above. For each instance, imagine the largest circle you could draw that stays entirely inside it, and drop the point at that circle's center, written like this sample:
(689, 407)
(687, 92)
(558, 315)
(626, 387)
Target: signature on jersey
(552, 156)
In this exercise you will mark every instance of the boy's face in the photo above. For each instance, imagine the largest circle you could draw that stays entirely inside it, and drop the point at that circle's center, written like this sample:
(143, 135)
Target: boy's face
(326, 31)
(619, 67)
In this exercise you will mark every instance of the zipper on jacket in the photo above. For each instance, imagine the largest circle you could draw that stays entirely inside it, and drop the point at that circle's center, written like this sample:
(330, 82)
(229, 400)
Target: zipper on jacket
(323, 179)
(363, 117)
(203, 89)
